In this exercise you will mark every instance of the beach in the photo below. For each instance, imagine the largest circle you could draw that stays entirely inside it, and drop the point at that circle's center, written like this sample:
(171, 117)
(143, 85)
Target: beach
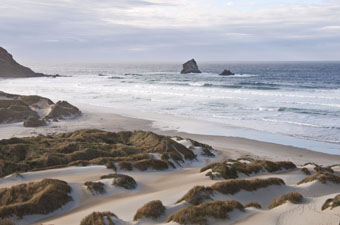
(168, 186)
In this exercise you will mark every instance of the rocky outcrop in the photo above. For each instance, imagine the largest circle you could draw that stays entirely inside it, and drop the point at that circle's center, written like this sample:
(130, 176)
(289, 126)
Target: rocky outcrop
(33, 110)
(63, 110)
(190, 67)
(9, 68)
(226, 73)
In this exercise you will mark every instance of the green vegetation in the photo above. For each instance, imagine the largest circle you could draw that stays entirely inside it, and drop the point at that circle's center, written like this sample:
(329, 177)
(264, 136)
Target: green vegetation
(201, 213)
(197, 195)
(200, 194)
(95, 187)
(126, 149)
(322, 177)
(234, 186)
(293, 197)
(229, 169)
(98, 218)
(34, 198)
(331, 203)
(124, 181)
(153, 210)
(253, 204)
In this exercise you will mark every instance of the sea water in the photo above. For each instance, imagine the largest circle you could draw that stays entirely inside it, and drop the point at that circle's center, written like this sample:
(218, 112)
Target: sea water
(294, 103)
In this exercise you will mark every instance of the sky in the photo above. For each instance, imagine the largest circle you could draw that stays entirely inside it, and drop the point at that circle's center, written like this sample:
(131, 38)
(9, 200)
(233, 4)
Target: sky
(170, 30)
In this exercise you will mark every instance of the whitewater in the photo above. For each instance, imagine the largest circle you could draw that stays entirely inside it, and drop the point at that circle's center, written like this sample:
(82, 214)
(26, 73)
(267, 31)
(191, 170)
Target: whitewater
(293, 103)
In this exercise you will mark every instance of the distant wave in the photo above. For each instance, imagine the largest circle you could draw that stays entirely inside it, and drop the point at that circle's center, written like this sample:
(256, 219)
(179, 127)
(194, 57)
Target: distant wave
(298, 123)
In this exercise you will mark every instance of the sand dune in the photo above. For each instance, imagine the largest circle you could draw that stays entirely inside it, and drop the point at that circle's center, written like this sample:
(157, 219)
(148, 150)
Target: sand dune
(169, 186)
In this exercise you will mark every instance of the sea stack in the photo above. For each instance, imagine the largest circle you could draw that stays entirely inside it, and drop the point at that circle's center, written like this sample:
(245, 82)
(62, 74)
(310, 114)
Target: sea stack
(190, 67)
(9, 68)
(226, 73)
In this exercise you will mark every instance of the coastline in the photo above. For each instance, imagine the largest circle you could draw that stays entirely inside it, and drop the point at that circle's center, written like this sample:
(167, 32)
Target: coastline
(108, 119)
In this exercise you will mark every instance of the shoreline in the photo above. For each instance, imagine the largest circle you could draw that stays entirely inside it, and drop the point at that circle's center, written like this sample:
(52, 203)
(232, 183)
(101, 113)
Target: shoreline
(230, 147)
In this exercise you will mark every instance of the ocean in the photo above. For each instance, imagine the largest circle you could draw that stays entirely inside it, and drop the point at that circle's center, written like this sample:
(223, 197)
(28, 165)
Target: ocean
(293, 102)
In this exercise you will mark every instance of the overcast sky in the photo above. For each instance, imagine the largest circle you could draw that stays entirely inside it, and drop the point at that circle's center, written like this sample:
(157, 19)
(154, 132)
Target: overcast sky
(209, 30)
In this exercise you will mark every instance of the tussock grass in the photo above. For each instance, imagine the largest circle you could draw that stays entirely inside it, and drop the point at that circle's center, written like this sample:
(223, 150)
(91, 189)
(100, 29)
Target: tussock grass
(201, 213)
(305, 171)
(34, 198)
(293, 197)
(6, 222)
(234, 186)
(98, 218)
(322, 177)
(331, 203)
(197, 195)
(124, 181)
(124, 149)
(253, 204)
(229, 169)
(146, 164)
(95, 187)
(153, 210)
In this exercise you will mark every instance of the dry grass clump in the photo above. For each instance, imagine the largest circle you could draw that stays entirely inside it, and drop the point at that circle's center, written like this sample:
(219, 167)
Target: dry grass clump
(124, 149)
(6, 222)
(253, 204)
(331, 203)
(323, 169)
(98, 218)
(146, 164)
(34, 198)
(201, 213)
(229, 169)
(293, 197)
(124, 181)
(234, 186)
(197, 195)
(95, 187)
(322, 177)
(153, 210)
(305, 171)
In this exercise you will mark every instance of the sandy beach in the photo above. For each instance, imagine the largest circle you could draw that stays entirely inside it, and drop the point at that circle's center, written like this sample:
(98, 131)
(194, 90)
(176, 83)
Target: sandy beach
(169, 186)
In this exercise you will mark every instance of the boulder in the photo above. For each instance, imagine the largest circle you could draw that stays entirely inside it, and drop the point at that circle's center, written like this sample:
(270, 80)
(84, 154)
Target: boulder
(33, 121)
(63, 110)
(226, 73)
(9, 68)
(190, 67)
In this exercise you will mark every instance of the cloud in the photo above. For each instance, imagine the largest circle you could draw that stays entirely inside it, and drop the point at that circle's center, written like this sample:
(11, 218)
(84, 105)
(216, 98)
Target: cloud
(160, 28)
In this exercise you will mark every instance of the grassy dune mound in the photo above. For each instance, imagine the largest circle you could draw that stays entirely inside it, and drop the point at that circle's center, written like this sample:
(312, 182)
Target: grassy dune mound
(331, 203)
(124, 181)
(323, 177)
(21, 108)
(126, 149)
(293, 197)
(152, 210)
(229, 169)
(34, 198)
(99, 218)
(234, 186)
(95, 187)
(253, 204)
(197, 195)
(201, 213)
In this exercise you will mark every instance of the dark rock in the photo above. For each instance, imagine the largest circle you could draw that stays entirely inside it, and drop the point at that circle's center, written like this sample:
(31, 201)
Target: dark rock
(190, 67)
(9, 68)
(63, 110)
(33, 121)
(226, 73)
